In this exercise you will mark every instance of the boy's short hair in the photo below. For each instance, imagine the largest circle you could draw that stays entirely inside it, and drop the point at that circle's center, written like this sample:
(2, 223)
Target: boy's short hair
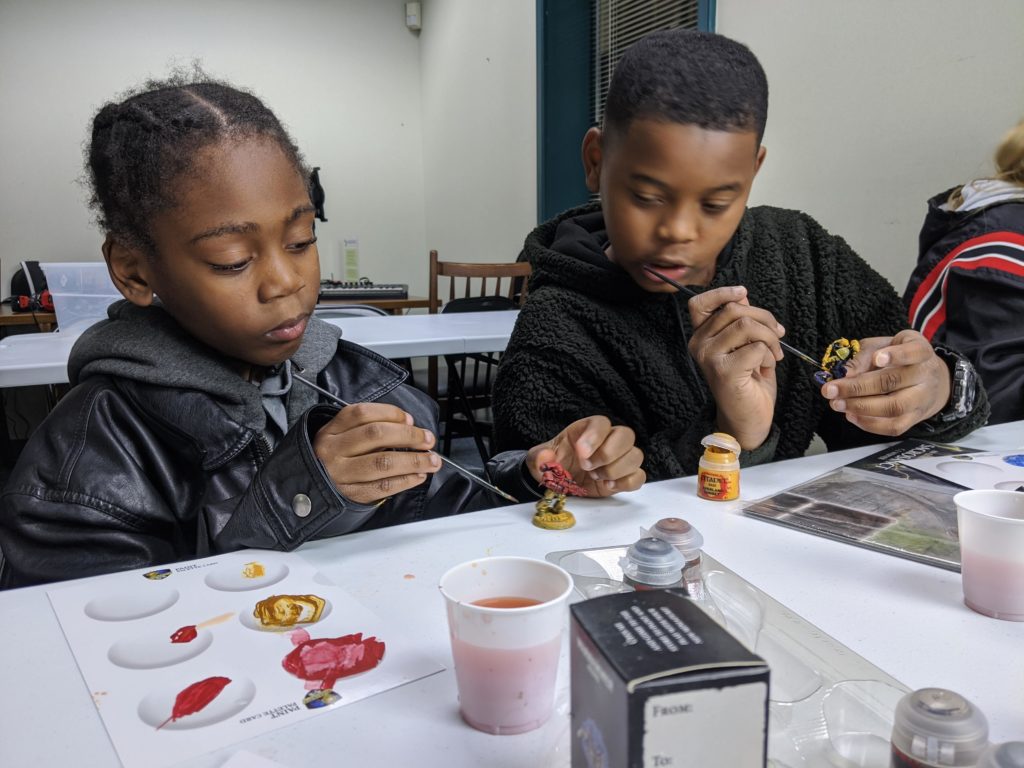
(688, 77)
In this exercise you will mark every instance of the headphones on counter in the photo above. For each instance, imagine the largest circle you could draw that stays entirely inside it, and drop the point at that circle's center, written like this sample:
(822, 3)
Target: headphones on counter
(42, 302)
(25, 297)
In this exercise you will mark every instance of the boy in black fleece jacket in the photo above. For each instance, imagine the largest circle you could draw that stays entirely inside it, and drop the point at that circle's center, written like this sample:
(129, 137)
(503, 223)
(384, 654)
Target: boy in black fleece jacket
(674, 164)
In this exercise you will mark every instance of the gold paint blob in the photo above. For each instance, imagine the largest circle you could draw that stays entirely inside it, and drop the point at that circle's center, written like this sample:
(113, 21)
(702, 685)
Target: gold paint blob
(254, 570)
(289, 610)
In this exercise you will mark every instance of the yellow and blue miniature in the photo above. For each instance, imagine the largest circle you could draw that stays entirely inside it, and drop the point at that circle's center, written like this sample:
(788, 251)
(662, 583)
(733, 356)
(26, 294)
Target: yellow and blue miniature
(838, 355)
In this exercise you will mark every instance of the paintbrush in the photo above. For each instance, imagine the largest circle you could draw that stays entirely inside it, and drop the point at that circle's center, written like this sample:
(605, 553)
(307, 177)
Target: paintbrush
(475, 478)
(687, 292)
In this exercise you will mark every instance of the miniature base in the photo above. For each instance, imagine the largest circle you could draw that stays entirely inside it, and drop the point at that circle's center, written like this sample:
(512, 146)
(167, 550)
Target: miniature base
(551, 513)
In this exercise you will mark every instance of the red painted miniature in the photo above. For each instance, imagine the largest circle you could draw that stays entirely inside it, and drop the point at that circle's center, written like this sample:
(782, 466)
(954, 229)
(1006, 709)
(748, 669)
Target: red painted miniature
(551, 512)
(558, 480)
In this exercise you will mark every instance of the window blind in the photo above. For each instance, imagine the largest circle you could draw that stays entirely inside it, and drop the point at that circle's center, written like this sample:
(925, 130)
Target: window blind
(620, 23)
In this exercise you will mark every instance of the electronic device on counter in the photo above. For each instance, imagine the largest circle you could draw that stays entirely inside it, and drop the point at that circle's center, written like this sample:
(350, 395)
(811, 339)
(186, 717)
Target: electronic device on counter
(361, 289)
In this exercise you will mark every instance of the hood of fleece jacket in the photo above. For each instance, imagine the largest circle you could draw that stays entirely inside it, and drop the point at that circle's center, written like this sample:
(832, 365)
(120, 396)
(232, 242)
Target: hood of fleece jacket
(569, 251)
(146, 345)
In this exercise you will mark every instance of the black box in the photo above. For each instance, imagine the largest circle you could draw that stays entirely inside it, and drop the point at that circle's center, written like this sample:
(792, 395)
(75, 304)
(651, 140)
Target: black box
(656, 682)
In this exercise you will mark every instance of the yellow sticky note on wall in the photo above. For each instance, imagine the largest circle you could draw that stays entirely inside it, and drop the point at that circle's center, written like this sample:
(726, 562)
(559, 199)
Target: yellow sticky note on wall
(350, 258)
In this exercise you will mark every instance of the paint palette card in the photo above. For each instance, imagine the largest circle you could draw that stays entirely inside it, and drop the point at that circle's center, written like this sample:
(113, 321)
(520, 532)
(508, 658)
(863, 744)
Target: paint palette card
(982, 471)
(192, 657)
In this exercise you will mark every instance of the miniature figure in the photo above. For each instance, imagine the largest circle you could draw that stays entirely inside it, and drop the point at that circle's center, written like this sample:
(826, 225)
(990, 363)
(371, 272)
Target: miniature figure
(558, 480)
(838, 355)
(551, 512)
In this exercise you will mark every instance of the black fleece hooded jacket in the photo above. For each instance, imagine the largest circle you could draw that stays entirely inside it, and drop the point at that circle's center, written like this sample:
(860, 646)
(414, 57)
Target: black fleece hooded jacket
(590, 341)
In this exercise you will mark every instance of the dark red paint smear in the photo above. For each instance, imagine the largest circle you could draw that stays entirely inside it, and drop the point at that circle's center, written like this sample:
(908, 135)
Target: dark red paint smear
(324, 660)
(195, 698)
(185, 634)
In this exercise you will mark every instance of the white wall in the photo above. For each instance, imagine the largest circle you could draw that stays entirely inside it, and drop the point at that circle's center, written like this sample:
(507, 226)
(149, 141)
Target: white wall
(429, 140)
(877, 105)
(369, 101)
(343, 76)
(479, 78)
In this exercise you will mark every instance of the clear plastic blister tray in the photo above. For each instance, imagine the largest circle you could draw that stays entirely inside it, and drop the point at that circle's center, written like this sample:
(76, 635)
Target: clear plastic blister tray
(827, 705)
(81, 291)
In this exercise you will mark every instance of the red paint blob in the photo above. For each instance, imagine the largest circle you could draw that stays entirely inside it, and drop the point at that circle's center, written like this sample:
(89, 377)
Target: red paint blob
(195, 698)
(185, 634)
(324, 660)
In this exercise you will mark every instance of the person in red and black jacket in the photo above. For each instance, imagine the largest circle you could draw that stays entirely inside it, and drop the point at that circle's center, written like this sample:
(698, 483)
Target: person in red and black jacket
(967, 291)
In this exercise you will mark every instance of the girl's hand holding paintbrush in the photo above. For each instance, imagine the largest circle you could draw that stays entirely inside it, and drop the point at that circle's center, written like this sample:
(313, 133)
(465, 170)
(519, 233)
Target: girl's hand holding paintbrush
(373, 450)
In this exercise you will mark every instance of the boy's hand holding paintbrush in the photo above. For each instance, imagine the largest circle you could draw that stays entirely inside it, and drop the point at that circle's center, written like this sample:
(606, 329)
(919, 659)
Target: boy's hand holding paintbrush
(736, 347)
(891, 385)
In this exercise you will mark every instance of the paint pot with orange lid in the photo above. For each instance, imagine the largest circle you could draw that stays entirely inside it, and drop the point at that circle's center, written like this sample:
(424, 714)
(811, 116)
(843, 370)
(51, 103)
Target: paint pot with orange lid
(718, 474)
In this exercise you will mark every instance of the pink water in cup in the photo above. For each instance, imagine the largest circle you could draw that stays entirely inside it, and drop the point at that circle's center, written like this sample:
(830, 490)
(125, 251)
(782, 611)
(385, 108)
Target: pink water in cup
(506, 616)
(991, 530)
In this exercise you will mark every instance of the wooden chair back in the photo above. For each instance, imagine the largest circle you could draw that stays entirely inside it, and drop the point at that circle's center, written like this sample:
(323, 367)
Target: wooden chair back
(451, 280)
(466, 279)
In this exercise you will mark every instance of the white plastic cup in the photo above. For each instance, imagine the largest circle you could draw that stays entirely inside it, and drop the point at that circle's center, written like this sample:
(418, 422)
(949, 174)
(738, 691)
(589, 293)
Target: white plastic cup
(506, 659)
(991, 528)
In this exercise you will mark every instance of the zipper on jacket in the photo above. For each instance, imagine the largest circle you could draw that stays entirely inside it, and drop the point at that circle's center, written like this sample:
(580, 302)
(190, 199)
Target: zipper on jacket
(261, 448)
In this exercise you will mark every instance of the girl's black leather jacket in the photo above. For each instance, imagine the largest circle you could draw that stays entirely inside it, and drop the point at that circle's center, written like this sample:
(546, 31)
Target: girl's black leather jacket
(126, 473)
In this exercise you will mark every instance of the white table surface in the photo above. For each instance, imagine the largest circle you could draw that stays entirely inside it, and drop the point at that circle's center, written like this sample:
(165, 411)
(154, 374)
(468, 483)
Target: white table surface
(421, 335)
(42, 358)
(35, 358)
(905, 617)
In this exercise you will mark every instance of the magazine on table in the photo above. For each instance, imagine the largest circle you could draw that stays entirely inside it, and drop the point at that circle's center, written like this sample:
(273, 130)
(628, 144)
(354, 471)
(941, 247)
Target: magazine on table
(878, 502)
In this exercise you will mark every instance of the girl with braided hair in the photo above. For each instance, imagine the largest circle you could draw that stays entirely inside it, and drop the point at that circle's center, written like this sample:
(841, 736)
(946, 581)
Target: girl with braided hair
(186, 432)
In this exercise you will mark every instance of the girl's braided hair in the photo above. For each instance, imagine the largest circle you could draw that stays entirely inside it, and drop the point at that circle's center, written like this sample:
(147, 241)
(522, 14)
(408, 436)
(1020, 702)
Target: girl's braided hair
(143, 144)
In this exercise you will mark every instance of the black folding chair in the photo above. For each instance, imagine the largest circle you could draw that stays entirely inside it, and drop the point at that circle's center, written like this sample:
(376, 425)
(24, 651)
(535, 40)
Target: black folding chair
(466, 409)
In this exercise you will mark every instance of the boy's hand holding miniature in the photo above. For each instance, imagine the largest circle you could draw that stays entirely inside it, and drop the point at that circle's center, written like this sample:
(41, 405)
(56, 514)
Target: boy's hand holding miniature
(891, 385)
(600, 457)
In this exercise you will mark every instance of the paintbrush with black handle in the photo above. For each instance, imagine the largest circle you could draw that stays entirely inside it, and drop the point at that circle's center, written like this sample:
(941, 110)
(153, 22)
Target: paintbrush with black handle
(687, 292)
